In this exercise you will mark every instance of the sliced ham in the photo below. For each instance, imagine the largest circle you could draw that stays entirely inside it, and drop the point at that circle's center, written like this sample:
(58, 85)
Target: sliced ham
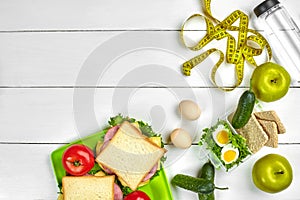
(110, 133)
(151, 173)
(118, 195)
(108, 136)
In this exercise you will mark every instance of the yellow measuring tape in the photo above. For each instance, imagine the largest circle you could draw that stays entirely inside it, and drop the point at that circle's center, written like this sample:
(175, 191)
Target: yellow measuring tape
(236, 52)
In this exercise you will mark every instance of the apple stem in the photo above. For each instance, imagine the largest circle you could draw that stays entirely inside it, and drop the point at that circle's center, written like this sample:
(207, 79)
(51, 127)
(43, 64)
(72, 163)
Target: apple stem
(273, 81)
(280, 172)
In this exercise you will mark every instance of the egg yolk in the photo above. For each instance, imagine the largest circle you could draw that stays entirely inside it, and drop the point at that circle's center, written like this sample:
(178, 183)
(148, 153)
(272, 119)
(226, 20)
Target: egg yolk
(223, 137)
(229, 155)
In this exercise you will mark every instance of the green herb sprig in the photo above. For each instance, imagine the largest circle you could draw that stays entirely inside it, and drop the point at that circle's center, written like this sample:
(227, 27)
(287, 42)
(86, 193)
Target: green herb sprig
(236, 140)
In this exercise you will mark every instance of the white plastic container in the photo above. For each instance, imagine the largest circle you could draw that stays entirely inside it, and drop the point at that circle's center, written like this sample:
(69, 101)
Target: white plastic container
(207, 146)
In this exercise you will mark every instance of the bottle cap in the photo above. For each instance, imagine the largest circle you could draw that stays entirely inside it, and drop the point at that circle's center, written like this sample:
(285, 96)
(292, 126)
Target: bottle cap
(264, 6)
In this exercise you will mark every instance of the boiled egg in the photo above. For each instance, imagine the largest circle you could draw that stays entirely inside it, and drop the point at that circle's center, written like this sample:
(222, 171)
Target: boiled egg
(181, 138)
(221, 136)
(189, 110)
(229, 154)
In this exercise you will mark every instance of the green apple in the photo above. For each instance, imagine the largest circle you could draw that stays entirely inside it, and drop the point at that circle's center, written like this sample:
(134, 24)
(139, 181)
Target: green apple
(272, 173)
(270, 82)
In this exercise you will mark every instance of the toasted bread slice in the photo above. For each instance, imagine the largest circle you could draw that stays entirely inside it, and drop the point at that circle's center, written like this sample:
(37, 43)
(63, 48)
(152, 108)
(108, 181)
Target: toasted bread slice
(88, 187)
(271, 116)
(271, 129)
(254, 134)
(130, 155)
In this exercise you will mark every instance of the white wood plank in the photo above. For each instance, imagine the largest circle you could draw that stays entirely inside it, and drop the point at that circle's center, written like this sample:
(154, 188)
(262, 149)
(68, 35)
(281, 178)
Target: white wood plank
(26, 172)
(62, 115)
(51, 59)
(104, 14)
(90, 59)
(105, 59)
(112, 14)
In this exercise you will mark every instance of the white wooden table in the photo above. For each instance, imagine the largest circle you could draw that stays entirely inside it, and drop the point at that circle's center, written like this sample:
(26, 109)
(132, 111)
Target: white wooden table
(67, 66)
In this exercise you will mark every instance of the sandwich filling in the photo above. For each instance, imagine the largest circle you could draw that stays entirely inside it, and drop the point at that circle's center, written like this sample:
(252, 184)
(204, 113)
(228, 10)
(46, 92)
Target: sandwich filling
(130, 155)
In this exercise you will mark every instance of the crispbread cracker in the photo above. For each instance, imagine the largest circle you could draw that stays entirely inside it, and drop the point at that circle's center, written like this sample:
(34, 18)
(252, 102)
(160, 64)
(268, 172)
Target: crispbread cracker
(271, 116)
(254, 134)
(271, 129)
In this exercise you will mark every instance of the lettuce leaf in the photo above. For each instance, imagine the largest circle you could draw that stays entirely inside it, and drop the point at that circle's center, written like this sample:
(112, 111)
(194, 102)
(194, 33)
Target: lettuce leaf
(236, 140)
(144, 127)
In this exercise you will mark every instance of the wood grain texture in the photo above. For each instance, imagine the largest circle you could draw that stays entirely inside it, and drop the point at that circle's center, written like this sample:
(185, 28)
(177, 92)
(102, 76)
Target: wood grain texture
(67, 66)
(112, 14)
(108, 59)
(27, 173)
(102, 59)
(62, 115)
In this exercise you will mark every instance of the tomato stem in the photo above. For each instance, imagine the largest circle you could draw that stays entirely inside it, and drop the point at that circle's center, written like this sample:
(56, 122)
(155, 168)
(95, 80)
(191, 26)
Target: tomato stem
(76, 163)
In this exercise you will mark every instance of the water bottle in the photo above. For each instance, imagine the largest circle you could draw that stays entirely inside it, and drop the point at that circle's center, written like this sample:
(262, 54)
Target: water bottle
(283, 35)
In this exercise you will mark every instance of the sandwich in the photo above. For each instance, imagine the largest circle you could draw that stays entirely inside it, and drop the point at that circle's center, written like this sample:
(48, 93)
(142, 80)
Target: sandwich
(88, 187)
(130, 155)
(127, 156)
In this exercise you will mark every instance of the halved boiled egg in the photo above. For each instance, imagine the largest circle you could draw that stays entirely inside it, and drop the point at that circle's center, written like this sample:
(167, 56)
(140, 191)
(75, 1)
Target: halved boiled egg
(221, 136)
(229, 154)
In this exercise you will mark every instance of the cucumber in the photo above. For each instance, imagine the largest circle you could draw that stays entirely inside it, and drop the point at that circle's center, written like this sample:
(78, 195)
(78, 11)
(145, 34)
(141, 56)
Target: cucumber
(244, 109)
(198, 185)
(207, 172)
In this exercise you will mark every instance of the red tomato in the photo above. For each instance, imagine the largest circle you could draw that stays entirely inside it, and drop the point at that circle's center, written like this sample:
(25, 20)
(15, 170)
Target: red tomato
(78, 159)
(137, 195)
